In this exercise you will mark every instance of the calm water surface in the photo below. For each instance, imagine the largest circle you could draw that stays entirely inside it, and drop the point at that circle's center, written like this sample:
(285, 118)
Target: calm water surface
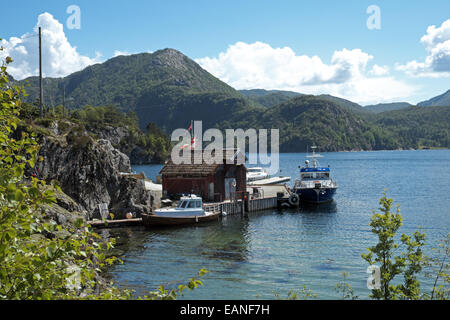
(270, 252)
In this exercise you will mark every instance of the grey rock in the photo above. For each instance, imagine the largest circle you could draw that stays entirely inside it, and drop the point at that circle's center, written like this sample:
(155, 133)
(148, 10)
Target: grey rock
(88, 171)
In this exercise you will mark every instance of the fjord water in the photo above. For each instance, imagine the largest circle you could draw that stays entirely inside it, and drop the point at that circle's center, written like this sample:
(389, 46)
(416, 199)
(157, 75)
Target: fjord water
(269, 252)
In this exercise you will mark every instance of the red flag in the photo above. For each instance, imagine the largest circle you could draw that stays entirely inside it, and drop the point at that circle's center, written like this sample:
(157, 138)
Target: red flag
(190, 127)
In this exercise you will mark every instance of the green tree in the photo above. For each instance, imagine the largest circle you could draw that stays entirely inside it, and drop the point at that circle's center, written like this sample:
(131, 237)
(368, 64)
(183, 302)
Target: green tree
(38, 258)
(409, 263)
(440, 266)
(345, 289)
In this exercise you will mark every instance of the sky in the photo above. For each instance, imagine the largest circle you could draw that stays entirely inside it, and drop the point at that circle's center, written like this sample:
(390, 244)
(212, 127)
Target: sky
(365, 51)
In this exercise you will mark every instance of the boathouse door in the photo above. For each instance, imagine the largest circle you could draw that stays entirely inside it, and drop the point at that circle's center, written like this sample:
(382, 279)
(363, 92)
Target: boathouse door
(230, 187)
(211, 191)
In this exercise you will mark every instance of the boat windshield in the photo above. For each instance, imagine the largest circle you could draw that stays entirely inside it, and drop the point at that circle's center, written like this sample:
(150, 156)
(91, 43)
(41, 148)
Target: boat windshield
(183, 204)
(316, 175)
(191, 204)
(323, 175)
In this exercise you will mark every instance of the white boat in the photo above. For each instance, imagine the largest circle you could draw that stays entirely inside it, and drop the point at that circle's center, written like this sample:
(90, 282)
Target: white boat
(256, 173)
(188, 206)
(189, 210)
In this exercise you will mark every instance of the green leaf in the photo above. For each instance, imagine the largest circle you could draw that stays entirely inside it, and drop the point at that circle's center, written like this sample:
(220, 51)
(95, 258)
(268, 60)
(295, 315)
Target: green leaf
(50, 251)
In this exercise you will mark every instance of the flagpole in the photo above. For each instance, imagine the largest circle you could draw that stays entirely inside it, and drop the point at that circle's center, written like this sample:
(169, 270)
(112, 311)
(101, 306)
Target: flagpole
(193, 135)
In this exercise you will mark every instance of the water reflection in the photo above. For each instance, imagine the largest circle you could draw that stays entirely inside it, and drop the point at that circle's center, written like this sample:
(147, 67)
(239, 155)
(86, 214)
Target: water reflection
(227, 241)
(330, 207)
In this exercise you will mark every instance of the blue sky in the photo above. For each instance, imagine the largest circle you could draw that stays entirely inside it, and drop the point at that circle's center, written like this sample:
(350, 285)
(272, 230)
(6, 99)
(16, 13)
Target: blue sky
(205, 29)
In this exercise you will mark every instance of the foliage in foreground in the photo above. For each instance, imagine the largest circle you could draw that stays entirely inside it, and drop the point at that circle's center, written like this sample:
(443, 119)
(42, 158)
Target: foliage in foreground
(405, 259)
(40, 259)
(408, 264)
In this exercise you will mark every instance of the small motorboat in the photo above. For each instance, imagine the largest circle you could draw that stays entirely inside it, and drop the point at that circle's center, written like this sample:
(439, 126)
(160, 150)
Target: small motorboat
(256, 173)
(189, 211)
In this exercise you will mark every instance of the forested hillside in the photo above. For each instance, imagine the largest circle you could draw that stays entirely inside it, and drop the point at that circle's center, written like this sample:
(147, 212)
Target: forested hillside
(168, 89)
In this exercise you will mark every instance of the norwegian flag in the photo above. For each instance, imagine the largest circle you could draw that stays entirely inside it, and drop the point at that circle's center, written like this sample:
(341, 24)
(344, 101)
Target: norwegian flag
(193, 142)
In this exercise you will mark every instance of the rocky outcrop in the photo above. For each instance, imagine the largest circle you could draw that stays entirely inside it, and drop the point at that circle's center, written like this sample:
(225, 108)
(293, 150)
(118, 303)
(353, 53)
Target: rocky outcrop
(89, 172)
(113, 134)
(120, 138)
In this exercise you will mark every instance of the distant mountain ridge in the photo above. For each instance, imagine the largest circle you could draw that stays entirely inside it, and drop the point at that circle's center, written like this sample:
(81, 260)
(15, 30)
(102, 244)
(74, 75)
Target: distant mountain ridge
(170, 89)
(269, 98)
(438, 101)
(383, 107)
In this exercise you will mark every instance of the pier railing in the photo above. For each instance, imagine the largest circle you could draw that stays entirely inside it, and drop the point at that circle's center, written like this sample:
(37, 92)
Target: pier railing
(212, 207)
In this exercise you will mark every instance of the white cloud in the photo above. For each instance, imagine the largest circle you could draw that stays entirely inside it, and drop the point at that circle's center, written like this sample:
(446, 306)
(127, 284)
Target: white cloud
(126, 53)
(379, 70)
(258, 65)
(121, 53)
(59, 57)
(437, 62)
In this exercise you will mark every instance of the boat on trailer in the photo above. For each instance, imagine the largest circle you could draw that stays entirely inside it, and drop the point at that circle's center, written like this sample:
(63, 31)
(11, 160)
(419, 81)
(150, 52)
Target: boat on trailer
(315, 184)
(188, 211)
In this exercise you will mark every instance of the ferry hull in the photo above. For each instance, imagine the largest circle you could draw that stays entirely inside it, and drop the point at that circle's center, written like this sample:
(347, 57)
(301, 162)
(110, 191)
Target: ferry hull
(320, 195)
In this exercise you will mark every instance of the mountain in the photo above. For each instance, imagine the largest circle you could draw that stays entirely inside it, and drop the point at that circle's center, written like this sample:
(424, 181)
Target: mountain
(269, 98)
(306, 120)
(441, 100)
(382, 107)
(347, 104)
(417, 127)
(165, 87)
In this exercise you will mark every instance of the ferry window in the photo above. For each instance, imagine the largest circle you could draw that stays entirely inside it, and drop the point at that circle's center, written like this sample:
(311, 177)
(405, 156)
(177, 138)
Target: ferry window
(198, 204)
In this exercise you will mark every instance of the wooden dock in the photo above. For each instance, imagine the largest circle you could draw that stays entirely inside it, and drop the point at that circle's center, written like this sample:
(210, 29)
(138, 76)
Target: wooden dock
(262, 204)
(115, 223)
(260, 197)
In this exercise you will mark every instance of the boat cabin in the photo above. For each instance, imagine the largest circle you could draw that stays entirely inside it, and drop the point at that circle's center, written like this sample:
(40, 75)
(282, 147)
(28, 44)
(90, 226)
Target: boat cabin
(190, 203)
(314, 173)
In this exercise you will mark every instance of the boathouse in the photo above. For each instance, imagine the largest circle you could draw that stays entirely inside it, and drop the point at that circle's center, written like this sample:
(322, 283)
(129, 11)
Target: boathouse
(213, 182)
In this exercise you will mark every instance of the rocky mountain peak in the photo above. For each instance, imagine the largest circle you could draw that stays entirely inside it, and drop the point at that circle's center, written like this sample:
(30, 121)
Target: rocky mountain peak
(171, 58)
